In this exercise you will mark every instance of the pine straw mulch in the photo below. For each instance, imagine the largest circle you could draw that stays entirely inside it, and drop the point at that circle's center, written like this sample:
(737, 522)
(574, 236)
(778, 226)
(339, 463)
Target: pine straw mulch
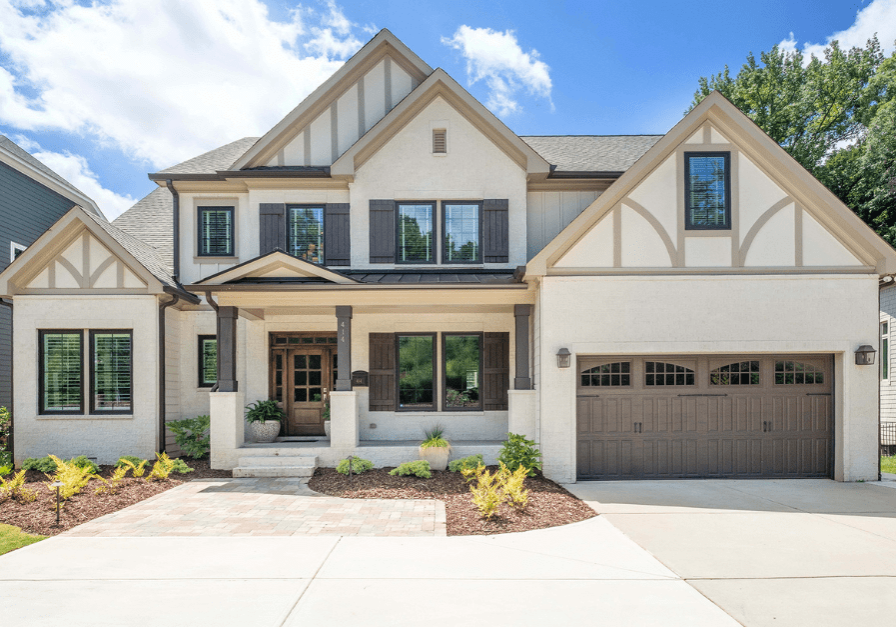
(39, 517)
(549, 504)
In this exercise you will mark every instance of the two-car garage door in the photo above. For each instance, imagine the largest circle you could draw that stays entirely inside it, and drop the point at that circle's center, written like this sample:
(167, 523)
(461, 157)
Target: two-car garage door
(705, 416)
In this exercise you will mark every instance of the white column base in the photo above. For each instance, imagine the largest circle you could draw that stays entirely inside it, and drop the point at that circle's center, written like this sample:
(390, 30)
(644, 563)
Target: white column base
(344, 420)
(227, 431)
(521, 412)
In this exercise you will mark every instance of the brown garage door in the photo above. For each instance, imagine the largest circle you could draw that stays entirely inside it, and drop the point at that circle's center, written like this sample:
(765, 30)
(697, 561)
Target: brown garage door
(704, 416)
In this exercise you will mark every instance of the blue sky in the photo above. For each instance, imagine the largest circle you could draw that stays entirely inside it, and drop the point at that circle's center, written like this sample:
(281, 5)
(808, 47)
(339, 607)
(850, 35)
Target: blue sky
(105, 92)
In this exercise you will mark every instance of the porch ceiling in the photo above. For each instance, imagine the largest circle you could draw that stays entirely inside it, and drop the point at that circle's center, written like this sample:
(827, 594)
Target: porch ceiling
(269, 312)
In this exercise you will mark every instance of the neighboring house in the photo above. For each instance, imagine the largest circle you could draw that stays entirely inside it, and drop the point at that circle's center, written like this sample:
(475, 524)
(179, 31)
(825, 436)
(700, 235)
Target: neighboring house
(32, 198)
(685, 305)
(887, 378)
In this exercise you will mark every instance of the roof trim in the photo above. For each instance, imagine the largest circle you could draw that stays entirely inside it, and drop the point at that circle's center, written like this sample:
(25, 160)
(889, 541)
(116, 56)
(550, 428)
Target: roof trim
(267, 262)
(322, 172)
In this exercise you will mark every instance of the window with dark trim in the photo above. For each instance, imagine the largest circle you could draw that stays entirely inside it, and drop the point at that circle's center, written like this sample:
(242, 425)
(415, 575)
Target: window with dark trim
(461, 226)
(415, 236)
(111, 372)
(305, 232)
(707, 190)
(798, 373)
(884, 350)
(208, 360)
(616, 374)
(61, 372)
(462, 371)
(416, 355)
(215, 231)
(15, 250)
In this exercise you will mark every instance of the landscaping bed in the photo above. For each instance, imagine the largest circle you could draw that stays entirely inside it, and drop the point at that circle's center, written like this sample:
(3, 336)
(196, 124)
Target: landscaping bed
(549, 504)
(39, 517)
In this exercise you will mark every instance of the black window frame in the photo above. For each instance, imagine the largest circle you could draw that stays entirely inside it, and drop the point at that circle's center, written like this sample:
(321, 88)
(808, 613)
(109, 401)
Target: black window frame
(884, 350)
(201, 361)
(443, 396)
(444, 239)
(323, 221)
(435, 236)
(41, 370)
(435, 372)
(204, 208)
(688, 224)
(92, 372)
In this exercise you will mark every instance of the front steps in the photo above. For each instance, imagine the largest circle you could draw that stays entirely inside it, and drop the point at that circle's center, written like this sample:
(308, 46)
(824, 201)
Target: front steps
(276, 466)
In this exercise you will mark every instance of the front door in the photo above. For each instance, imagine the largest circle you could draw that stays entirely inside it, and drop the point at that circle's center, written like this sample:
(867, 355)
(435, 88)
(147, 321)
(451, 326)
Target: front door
(305, 375)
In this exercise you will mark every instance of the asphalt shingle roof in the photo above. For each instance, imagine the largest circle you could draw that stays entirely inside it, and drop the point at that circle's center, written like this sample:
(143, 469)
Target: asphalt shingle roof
(591, 153)
(213, 160)
(151, 221)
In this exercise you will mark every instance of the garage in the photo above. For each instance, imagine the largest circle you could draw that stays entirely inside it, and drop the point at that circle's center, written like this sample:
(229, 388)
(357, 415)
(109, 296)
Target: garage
(704, 416)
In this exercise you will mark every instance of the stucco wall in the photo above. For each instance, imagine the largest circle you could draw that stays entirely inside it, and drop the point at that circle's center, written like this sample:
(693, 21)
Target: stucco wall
(733, 314)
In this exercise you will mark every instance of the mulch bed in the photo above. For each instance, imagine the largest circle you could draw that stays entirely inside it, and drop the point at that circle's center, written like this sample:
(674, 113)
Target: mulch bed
(549, 504)
(39, 517)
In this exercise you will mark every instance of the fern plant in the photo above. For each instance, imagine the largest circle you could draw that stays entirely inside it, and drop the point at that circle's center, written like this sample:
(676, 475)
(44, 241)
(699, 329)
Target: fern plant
(162, 468)
(486, 488)
(15, 489)
(261, 411)
(73, 478)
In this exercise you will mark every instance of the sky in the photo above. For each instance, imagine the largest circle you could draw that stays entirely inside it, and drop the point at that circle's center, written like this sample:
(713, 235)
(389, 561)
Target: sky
(104, 92)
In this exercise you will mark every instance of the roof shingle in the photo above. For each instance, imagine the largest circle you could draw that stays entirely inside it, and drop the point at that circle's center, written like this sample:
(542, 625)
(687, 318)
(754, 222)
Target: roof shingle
(591, 153)
(213, 160)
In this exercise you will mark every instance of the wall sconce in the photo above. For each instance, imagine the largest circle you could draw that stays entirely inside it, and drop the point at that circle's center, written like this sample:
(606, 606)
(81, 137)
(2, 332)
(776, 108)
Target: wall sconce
(865, 355)
(563, 358)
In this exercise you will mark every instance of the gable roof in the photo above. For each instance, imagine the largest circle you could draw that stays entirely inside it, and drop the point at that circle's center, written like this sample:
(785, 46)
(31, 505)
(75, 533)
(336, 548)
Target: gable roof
(19, 159)
(212, 161)
(280, 263)
(151, 221)
(608, 154)
(763, 150)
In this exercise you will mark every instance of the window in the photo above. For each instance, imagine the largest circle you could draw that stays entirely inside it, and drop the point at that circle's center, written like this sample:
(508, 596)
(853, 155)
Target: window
(884, 350)
(461, 227)
(306, 233)
(208, 360)
(707, 190)
(416, 231)
(110, 372)
(797, 373)
(740, 373)
(61, 371)
(439, 141)
(216, 232)
(616, 374)
(15, 250)
(416, 368)
(660, 373)
(462, 359)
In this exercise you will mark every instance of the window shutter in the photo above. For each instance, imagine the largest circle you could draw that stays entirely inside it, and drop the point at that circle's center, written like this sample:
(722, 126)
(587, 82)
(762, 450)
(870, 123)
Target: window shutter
(382, 231)
(337, 235)
(495, 371)
(495, 247)
(272, 228)
(382, 372)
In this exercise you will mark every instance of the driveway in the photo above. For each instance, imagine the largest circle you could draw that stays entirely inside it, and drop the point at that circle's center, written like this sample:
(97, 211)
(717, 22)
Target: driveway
(799, 552)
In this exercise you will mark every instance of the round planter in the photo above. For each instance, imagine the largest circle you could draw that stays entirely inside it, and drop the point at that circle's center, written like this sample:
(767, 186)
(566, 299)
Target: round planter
(327, 427)
(436, 456)
(265, 431)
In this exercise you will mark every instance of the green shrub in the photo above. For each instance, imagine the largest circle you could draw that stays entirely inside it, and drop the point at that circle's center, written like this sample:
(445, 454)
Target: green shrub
(518, 451)
(5, 423)
(419, 468)
(41, 464)
(180, 466)
(192, 435)
(128, 458)
(81, 461)
(358, 466)
(466, 463)
(433, 438)
(5, 469)
(261, 411)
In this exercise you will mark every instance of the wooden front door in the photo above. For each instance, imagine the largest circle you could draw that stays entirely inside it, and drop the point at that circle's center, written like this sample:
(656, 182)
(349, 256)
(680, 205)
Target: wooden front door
(302, 378)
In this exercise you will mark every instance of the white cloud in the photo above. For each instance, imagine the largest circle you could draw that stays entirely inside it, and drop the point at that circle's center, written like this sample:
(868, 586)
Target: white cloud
(878, 18)
(163, 80)
(498, 59)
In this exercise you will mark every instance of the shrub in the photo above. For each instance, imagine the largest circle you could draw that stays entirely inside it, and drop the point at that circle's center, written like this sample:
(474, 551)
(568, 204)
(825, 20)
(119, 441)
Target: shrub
(124, 459)
(419, 468)
(162, 468)
(358, 466)
(180, 466)
(5, 469)
(14, 488)
(117, 476)
(41, 464)
(466, 463)
(192, 435)
(74, 478)
(513, 485)
(81, 461)
(263, 410)
(486, 489)
(5, 422)
(135, 464)
(520, 452)
(433, 438)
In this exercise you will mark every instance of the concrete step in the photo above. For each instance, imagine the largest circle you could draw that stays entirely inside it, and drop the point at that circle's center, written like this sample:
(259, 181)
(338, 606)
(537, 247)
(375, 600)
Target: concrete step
(273, 471)
(278, 460)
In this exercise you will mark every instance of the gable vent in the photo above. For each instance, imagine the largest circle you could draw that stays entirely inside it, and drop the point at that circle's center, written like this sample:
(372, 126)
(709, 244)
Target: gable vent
(440, 141)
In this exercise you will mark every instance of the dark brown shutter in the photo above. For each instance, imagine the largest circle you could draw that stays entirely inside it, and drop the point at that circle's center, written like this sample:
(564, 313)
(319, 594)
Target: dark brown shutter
(382, 231)
(495, 371)
(382, 372)
(337, 236)
(495, 246)
(272, 228)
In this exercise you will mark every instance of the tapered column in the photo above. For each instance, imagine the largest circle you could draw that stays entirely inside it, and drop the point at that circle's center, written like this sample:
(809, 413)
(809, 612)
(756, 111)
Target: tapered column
(227, 317)
(522, 381)
(344, 348)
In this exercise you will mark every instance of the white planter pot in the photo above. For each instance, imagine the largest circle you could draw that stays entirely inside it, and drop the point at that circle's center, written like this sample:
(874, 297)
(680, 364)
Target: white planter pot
(327, 427)
(264, 431)
(436, 456)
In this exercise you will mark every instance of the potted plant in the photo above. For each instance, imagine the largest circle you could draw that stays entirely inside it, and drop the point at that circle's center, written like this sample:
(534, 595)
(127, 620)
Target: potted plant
(327, 417)
(435, 448)
(264, 420)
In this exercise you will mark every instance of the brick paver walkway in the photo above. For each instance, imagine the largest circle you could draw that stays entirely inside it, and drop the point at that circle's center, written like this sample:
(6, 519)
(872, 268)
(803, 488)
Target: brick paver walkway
(265, 507)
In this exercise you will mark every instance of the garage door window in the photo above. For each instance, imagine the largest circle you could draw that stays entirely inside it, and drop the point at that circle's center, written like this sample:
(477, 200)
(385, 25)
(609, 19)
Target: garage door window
(616, 374)
(797, 373)
(740, 373)
(662, 373)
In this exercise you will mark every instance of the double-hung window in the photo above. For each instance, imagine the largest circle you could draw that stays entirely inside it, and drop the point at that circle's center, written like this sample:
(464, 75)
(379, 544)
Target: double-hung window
(461, 370)
(305, 233)
(111, 372)
(216, 232)
(416, 232)
(61, 388)
(461, 228)
(707, 186)
(208, 361)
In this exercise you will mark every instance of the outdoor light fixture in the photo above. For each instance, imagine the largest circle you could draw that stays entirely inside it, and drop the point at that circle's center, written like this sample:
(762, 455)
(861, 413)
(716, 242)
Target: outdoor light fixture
(563, 358)
(865, 355)
(57, 485)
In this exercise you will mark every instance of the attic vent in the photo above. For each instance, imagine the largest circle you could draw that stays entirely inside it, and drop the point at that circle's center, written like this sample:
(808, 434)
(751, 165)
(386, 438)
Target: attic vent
(439, 141)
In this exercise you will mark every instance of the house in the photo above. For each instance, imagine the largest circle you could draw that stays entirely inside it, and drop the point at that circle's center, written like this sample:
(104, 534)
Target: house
(887, 379)
(684, 305)
(32, 198)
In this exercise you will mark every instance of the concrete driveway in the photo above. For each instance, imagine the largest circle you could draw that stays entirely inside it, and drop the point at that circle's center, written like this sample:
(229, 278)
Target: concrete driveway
(799, 552)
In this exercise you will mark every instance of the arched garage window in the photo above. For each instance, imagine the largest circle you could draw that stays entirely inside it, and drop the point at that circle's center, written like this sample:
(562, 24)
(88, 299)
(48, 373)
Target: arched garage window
(616, 374)
(661, 373)
(738, 373)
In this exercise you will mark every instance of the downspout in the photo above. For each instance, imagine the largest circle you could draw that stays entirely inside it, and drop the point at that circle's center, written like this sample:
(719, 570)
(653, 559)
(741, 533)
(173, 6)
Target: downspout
(10, 441)
(162, 395)
(176, 217)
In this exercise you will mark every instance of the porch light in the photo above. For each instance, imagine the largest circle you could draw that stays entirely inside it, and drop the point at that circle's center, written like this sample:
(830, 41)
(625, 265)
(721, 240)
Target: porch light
(865, 355)
(563, 358)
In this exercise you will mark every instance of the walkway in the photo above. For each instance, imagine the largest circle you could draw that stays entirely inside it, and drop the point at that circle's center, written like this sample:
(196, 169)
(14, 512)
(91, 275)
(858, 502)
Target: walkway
(265, 507)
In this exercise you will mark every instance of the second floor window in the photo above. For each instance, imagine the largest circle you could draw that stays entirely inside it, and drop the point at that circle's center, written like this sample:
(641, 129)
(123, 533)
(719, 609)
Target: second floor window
(216, 232)
(305, 233)
(707, 190)
(461, 232)
(416, 230)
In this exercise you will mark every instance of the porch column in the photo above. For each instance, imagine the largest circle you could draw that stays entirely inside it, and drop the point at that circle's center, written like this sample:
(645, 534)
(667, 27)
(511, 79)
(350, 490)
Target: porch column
(344, 347)
(522, 381)
(227, 317)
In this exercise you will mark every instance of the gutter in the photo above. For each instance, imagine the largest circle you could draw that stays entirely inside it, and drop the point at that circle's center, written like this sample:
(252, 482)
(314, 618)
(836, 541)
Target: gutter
(10, 442)
(162, 394)
(176, 217)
